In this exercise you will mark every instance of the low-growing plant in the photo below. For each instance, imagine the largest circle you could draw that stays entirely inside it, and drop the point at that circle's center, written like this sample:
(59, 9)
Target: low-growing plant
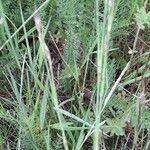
(73, 75)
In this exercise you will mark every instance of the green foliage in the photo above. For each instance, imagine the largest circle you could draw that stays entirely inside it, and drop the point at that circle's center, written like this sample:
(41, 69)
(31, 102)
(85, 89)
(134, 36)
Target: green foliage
(144, 120)
(123, 14)
(47, 107)
(28, 8)
(121, 112)
(15, 11)
(115, 127)
(142, 18)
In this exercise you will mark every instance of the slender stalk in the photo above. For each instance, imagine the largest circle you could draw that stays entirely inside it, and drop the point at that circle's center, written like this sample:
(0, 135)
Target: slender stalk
(99, 73)
(47, 55)
(102, 54)
(138, 106)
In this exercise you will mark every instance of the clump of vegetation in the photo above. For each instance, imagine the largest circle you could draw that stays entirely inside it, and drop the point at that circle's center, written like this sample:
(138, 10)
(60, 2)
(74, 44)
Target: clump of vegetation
(74, 74)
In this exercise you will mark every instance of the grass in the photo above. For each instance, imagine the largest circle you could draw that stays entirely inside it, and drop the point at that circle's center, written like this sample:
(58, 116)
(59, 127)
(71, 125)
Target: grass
(74, 76)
